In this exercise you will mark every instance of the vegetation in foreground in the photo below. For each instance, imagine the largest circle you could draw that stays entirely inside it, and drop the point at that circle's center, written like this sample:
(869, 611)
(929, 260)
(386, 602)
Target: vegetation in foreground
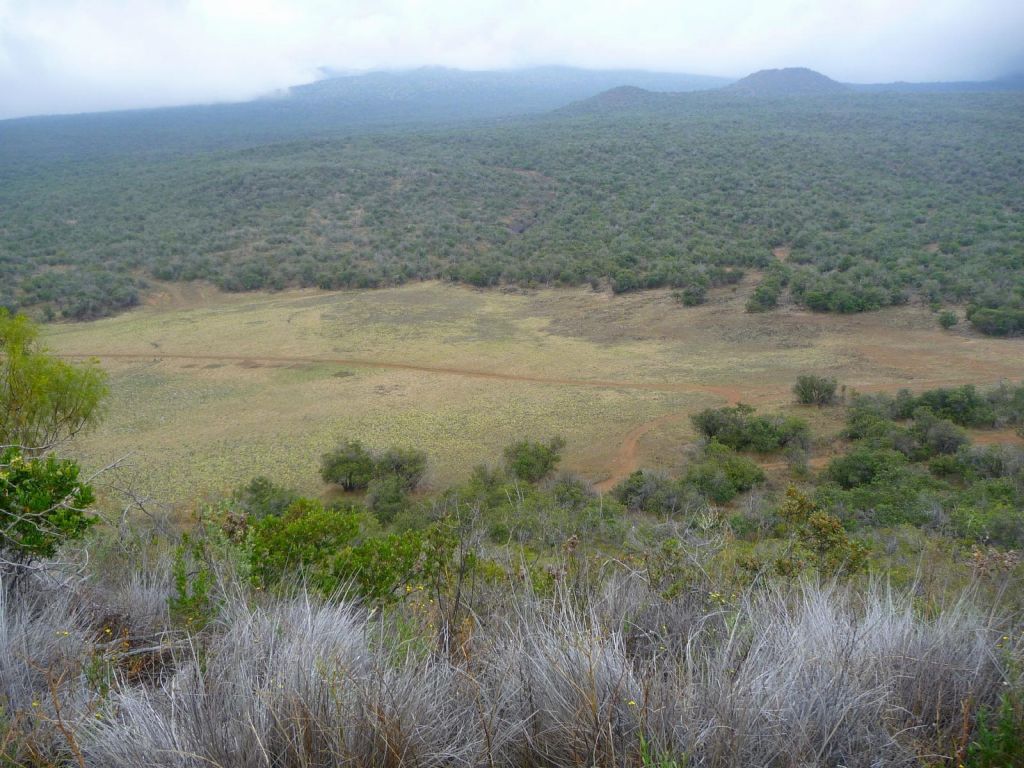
(869, 615)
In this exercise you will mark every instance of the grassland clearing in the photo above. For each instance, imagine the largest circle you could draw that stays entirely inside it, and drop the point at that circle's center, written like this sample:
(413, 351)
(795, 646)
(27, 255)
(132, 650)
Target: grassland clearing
(211, 389)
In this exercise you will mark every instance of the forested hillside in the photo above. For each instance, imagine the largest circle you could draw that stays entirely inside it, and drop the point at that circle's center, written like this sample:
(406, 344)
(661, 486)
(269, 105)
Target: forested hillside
(867, 200)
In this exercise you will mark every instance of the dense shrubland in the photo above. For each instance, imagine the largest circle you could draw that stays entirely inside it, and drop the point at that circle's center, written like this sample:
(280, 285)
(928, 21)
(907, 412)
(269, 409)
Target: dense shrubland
(880, 199)
(867, 615)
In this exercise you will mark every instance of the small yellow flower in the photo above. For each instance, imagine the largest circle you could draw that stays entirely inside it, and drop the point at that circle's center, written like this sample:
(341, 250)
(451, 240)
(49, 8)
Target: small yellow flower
(632, 703)
(35, 703)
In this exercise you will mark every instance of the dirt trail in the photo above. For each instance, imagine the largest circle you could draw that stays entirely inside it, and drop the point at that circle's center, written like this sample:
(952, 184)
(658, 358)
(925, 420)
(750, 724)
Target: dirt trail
(627, 459)
(1006, 436)
(729, 393)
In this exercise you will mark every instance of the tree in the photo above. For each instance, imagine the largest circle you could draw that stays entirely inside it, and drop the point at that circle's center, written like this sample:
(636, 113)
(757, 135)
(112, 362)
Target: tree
(43, 401)
(407, 464)
(349, 465)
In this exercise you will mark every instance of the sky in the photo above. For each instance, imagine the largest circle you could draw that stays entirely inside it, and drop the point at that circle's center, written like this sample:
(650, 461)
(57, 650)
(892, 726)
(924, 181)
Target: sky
(59, 56)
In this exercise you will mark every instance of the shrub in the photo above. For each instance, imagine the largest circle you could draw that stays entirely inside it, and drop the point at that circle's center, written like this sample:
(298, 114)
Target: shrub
(941, 436)
(385, 498)
(42, 505)
(349, 465)
(692, 295)
(650, 492)
(765, 296)
(721, 474)
(407, 464)
(532, 462)
(948, 319)
(864, 465)
(962, 405)
(815, 390)
(376, 568)
(998, 738)
(262, 498)
(43, 400)
(737, 427)
(304, 538)
(1002, 321)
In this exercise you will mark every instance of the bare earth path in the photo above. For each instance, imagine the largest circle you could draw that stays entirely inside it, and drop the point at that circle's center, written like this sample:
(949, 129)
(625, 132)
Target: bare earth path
(729, 393)
(626, 459)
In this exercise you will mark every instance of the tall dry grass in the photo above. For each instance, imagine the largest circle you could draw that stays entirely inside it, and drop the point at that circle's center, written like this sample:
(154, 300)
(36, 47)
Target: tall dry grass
(807, 675)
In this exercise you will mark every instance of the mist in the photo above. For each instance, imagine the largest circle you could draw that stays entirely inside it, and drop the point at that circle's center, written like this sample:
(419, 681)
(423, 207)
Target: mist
(59, 56)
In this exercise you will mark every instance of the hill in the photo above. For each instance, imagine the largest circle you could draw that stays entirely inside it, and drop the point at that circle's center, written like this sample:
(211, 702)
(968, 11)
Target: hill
(792, 81)
(875, 200)
(336, 105)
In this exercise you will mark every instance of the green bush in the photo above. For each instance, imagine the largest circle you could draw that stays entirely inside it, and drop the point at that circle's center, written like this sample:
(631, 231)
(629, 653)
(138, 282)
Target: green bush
(720, 475)
(948, 319)
(815, 390)
(864, 465)
(998, 739)
(386, 499)
(531, 462)
(738, 428)
(261, 497)
(349, 465)
(301, 540)
(407, 464)
(43, 504)
(651, 492)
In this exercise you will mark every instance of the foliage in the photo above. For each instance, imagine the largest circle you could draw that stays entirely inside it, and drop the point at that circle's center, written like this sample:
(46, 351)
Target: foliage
(43, 504)
(385, 498)
(532, 461)
(353, 467)
(881, 196)
(815, 390)
(820, 539)
(261, 497)
(306, 536)
(717, 474)
(720, 474)
(43, 400)
(349, 465)
(408, 465)
(998, 735)
(376, 568)
(948, 318)
(740, 429)
(191, 603)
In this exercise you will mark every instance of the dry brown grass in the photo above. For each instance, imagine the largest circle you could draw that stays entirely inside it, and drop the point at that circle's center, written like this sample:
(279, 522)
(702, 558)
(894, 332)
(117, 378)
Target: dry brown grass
(211, 389)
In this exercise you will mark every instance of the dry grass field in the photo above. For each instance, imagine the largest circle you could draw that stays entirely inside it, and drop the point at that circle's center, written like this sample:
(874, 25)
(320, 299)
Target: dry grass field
(210, 389)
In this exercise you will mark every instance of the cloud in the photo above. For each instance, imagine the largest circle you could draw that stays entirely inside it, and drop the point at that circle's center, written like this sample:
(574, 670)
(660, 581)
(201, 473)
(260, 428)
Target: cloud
(75, 55)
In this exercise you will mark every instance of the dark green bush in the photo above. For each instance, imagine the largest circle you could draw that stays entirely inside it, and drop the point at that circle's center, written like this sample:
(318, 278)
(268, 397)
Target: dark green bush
(740, 429)
(815, 390)
(864, 465)
(302, 539)
(531, 461)
(261, 497)
(385, 498)
(407, 464)
(720, 474)
(349, 465)
(43, 504)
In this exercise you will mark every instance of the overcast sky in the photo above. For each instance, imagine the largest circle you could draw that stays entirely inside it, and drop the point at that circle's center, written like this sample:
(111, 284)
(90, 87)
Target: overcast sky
(82, 55)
